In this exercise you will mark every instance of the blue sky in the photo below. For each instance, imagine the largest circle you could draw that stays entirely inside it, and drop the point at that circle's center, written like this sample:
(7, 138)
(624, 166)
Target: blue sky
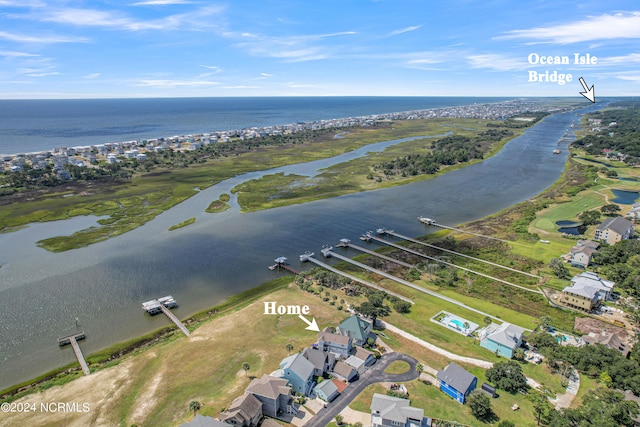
(168, 48)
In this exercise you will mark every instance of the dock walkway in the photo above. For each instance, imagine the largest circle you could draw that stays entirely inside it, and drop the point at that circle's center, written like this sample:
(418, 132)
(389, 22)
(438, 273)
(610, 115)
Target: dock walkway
(347, 244)
(175, 320)
(73, 340)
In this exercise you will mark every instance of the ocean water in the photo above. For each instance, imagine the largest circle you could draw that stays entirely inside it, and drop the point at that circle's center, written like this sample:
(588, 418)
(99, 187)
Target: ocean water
(38, 125)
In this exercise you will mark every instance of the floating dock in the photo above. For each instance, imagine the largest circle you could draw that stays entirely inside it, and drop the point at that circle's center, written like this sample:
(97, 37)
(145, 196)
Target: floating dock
(346, 243)
(281, 263)
(73, 340)
(162, 305)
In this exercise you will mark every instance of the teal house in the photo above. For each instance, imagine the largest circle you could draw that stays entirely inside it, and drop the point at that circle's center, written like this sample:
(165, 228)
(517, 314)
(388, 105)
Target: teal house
(503, 339)
(357, 329)
(299, 372)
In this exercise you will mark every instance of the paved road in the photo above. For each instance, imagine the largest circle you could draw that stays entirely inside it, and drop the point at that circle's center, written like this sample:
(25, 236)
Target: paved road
(375, 374)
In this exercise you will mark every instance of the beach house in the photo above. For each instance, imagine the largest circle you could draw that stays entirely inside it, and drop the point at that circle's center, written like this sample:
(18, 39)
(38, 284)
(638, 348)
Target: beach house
(388, 411)
(299, 372)
(275, 395)
(501, 339)
(613, 230)
(356, 328)
(456, 382)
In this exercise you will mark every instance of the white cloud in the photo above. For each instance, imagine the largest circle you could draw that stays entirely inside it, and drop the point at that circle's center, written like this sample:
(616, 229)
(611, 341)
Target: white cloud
(404, 30)
(266, 75)
(241, 87)
(630, 78)
(603, 27)
(632, 57)
(44, 39)
(12, 54)
(496, 62)
(21, 3)
(92, 76)
(175, 83)
(212, 67)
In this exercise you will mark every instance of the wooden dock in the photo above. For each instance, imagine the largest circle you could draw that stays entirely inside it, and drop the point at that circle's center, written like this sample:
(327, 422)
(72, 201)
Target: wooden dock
(174, 319)
(73, 340)
(345, 243)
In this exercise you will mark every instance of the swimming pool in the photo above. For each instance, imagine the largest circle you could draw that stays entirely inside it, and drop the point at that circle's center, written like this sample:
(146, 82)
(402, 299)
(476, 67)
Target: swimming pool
(457, 323)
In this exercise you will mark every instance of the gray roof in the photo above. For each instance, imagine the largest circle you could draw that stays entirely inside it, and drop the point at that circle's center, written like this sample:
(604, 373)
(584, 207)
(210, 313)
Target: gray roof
(298, 365)
(617, 224)
(327, 386)
(269, 387)
(394, 408)
(456, 377)
(588, 278)
(316, 357)
(334, 338)
(343, 369)
(245, 407)
(505, 334)
(582, 290)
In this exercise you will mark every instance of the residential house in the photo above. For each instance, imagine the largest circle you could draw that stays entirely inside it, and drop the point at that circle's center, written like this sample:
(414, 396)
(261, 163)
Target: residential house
(326, 390)
(394, 411)
(587, 278)
(580, 255)
(366, 355)
(356, 328)
(613, 230)
(245, 411)
(456, 382)
(275, 395)
(501, 339)
(607, 339)
(322, 361)
(634, 213)
(581, 296)
(344, 372)
(299, 372)
(340, 345)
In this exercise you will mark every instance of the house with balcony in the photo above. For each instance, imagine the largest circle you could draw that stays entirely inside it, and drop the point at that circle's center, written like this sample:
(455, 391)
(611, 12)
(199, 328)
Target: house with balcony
(614, 230)
(456, 382)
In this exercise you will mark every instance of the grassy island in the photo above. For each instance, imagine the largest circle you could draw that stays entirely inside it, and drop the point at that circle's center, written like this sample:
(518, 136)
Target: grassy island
(183, 223)
(219, 205)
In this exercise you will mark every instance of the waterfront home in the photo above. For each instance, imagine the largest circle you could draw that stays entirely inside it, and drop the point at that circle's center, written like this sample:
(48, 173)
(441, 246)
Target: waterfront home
(580, 254)
(322, 361)
(587, 278)
(344, 372)
(456, 382)
(340, 345)
(299, 372)
(326, 390)
(607, 339)
(613, 230)
(581, 296)
(356, 328)
(245, 411)
(275, 395)
(502, 339)
(394, 411)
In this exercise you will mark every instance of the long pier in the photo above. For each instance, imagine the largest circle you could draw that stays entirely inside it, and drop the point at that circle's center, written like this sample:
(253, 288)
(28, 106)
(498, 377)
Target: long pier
(369, 236)
(346, 243)
(327, 252)
(319, 263)
(73, 340)
(429, 221)
(407, 238)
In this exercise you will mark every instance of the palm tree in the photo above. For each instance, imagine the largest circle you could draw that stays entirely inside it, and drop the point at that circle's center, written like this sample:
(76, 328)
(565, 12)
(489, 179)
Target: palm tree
(419, 368)
(246, 368)
(194, 406)
(289, 348)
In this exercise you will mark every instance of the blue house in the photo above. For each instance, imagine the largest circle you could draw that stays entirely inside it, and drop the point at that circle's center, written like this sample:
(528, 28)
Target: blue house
(456, 382)
(501, 339)
(299, 372)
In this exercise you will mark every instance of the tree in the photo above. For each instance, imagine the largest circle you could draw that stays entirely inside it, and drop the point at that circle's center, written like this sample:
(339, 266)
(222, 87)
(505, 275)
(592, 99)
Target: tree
(558, 268)
(194, 406)
(541, 407)
(589, 217)
(506, 423)
(246, 368)
(402, 306)
(289, 348)
(507, 376)
(487, 320)
(339, 419)
(610, 209)
(419, 367)
(480, 404)
(545, 323)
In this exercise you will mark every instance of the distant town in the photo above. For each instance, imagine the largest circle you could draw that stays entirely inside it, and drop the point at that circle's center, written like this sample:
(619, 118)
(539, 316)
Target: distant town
(111, 153)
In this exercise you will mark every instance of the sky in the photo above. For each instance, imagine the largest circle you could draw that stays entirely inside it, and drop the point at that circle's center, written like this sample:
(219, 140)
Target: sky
(184, 48)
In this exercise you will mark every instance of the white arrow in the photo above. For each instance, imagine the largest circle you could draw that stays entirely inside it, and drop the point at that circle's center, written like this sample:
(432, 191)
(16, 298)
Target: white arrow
(588, 93)
(313, 326)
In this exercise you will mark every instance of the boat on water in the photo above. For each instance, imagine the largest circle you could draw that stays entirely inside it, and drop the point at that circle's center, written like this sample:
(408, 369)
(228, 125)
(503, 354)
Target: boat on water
(556, 151)
(427, 221)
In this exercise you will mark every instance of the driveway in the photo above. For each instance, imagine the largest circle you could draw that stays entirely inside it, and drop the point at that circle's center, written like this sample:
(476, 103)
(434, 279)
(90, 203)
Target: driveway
(375, 374)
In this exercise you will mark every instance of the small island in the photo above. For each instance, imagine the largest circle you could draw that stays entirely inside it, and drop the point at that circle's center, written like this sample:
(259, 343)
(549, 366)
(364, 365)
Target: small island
(183, 223)
(219, 205)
